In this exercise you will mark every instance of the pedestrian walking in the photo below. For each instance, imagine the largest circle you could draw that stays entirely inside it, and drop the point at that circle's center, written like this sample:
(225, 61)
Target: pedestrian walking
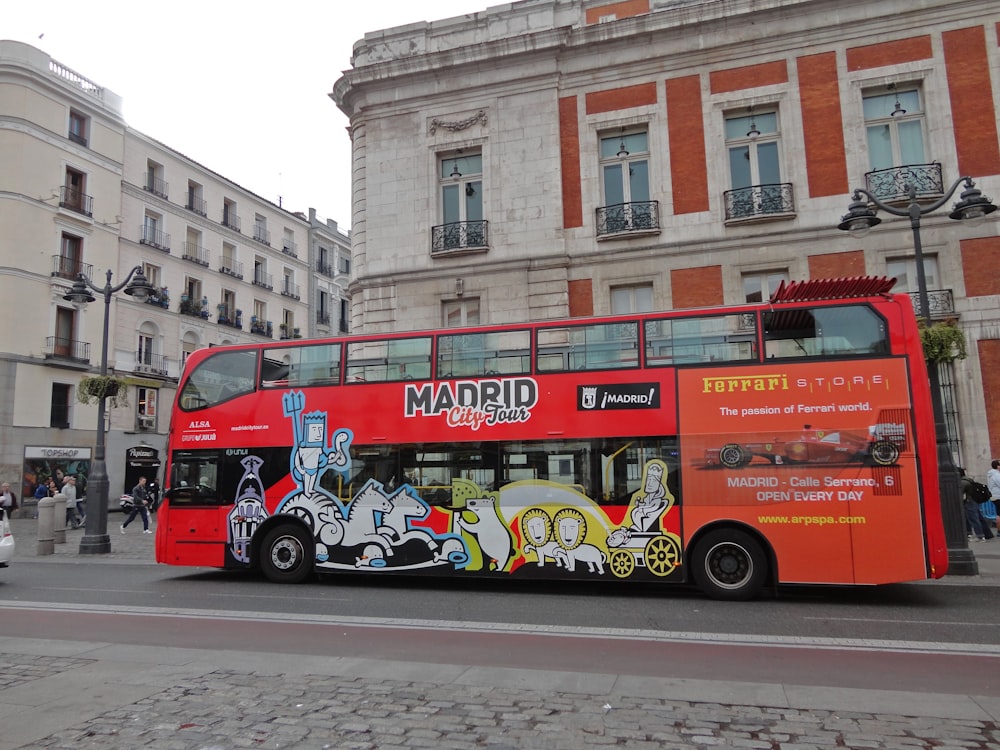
(140, 498)
(69, 490)
(8, 500)
(973, 520)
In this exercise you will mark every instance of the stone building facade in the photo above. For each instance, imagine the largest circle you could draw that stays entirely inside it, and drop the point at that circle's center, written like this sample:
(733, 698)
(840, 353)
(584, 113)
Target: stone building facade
(82, 192)
(552, 158)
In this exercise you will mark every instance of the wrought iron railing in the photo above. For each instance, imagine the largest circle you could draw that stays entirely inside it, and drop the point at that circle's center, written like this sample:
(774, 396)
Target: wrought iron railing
(159, 297)
(231, 267)
(151, 363)
(197, 205)
(194, 308)
(156, 186)
(288, 248)
(66, 267)
(263, 280)
(940, 302)
(76, 200)
(289, 289)
(261, 235)
(324, 268)
(231, 220)
(322, 317)
(57, 347)
(894, 183)
(637, 216)
(195, 253)
(155, 238)
(460, 234)
(262, 327)
(229, 317)
(759, 201)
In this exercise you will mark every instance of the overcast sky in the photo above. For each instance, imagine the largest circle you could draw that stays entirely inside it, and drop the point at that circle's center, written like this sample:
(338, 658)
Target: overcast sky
(240, 87)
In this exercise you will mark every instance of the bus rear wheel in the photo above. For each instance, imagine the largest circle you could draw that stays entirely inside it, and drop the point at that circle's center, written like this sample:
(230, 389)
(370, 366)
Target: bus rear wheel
(729, 564)
(287, 554)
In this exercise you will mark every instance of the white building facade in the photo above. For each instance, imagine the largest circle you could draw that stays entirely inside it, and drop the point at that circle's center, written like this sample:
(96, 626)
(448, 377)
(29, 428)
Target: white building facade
(553, 158)
(81, 192)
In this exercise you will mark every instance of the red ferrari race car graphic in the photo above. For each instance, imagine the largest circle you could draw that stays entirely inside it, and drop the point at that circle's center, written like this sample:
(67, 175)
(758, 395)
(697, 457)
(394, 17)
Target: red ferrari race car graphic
(880, 446)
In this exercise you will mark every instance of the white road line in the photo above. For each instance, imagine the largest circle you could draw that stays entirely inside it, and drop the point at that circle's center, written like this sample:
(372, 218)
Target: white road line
(563, 631)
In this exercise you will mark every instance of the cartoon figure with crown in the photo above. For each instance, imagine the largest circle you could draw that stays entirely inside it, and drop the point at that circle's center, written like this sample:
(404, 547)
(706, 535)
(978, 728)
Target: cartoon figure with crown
(311, 457)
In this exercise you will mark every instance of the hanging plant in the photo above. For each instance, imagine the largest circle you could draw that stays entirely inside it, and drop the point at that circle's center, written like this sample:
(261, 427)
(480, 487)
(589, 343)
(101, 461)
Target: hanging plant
(92, 388)
(943, 342)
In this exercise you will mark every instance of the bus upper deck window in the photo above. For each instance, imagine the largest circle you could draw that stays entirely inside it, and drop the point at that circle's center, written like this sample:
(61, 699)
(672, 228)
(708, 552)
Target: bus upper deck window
(218, 378)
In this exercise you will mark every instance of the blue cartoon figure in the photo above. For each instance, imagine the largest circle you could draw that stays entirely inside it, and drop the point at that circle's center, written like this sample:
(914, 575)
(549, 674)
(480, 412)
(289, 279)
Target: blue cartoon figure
(310, 455)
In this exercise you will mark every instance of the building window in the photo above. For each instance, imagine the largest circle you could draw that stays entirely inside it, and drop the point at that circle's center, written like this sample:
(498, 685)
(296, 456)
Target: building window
(188, 345)
(894, 125)
(70, 259)
(344, 327)
(155, 182)
(460, 178)
(625, 183)
(63, 343)
(152, 233)
(229, 217)
(758, 287)
(59, 413)
(260, 232)
(152, 274)
(631, 299)
(145, 351)
(78, 127)
(753, 144)
(905, 271)
(146, 408)
(74, 193)
(460, 312)
(195, 199)
(345, 264)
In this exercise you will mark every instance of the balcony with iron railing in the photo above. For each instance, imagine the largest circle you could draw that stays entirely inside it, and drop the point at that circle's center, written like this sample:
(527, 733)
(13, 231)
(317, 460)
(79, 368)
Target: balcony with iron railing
(262, 280)
(322, 317)
(195, 253)
(261, 327)
(76, 200)
(154, 238)
(194, 308)
(228, 316)
(892, 184)
(940, 301)
(342, 326)
(231, 267)
(288, 248)
(231, 220)
(159, 297)
(261, 235)
(637, 217)
(70, 350)
(759, 203)
(289, 289)
(325, 268)
(460, 235)
(66, 267)
(289, 332)
(156, 185)
(153, 364)
(77, 138)
(197, 205)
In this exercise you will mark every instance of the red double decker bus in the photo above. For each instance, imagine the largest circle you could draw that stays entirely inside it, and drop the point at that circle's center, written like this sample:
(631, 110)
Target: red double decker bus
(730, 447)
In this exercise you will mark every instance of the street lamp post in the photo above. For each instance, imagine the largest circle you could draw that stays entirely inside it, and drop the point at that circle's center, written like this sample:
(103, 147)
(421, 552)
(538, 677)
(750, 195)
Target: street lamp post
(95, 537)
(858, 220)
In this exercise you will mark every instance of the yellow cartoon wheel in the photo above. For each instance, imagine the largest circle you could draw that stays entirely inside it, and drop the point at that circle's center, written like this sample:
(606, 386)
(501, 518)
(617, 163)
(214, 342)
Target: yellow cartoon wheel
(662, 555)
(622, 563)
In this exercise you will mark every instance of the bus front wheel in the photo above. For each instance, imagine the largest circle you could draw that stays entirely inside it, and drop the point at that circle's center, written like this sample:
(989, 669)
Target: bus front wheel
(729, 564)
(287, 554)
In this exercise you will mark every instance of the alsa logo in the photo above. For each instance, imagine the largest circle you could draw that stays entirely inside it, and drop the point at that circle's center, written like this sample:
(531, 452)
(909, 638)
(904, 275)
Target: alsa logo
(199, 424)
(474, 403)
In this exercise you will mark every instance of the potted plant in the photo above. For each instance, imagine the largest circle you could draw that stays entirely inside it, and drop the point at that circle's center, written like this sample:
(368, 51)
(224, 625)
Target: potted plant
(92, 388)
(943, 341)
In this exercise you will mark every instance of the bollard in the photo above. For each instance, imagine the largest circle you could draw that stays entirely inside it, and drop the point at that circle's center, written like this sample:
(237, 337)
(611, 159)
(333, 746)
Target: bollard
(59, 518)
(46, 518)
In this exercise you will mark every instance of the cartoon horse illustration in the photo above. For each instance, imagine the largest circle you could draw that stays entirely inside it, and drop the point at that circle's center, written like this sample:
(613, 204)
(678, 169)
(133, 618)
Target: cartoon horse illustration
(361, 526)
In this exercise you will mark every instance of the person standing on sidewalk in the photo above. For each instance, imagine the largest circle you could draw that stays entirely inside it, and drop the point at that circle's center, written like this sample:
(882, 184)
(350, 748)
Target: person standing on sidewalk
(140, 498)
(8, 500)
(69, 490)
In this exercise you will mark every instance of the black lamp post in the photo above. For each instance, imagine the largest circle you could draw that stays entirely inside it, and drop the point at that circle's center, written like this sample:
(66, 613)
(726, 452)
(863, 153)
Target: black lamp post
(858, 220)
(95, 538)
